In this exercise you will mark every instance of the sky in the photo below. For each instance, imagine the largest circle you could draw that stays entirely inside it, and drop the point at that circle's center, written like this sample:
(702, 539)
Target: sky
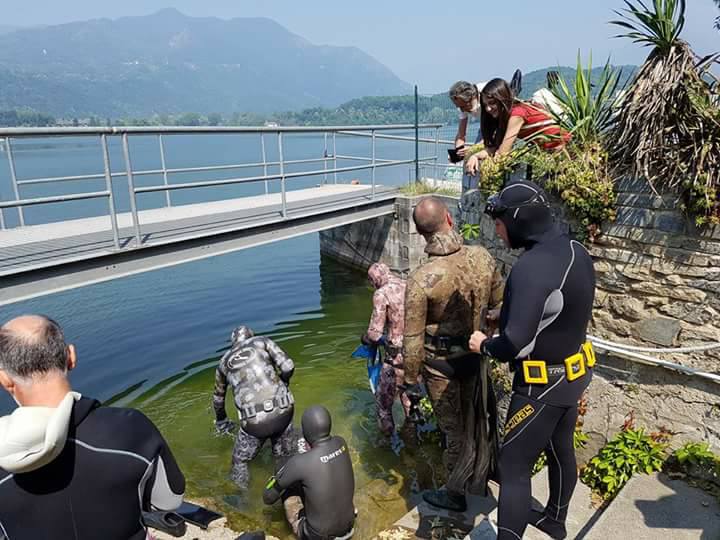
(428, 43)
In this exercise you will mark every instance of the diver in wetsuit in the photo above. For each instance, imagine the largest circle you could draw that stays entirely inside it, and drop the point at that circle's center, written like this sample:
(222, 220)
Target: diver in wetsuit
(259, 373)
(546, 309)
(324, 478)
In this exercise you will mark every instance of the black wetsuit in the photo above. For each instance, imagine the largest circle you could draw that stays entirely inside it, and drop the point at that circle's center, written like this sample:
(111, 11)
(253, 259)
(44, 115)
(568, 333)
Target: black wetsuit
(114, 465)
(259, 372)
(325, 479)
(545, 313)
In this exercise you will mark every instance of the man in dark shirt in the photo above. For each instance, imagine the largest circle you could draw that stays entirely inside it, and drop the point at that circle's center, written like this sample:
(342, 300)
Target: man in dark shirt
(69, 468)
(258, 371)
(324, 478)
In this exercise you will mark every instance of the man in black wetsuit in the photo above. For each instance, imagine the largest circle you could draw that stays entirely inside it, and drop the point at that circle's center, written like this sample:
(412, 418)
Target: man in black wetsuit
(546, 309)
(70, 468)
(324, 478)
(259, 373)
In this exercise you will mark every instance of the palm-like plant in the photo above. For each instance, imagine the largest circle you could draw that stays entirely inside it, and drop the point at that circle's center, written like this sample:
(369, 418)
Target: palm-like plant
(668, 129)
(588, 108)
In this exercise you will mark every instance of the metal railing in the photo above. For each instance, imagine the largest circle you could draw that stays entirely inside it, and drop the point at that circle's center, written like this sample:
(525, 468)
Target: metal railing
(371, 163)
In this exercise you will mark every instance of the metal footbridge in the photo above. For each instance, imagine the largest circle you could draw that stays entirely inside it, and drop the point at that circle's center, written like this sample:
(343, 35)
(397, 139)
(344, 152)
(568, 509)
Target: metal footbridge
(119, 234)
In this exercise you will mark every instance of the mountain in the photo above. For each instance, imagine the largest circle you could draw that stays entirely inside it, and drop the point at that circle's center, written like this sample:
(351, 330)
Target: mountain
(168, 62)
(535, 80)
(5, 29)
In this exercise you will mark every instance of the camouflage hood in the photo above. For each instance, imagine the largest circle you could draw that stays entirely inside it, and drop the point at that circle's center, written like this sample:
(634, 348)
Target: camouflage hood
(379, 274)
(444, 243)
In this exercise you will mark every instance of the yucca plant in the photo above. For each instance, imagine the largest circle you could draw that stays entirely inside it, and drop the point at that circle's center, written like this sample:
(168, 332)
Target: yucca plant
(668, 129)
(588, 112)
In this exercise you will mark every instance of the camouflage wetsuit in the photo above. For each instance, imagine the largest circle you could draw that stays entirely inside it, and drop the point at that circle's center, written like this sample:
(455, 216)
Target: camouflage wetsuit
(445, 298)
(259, 373)
(388, 312)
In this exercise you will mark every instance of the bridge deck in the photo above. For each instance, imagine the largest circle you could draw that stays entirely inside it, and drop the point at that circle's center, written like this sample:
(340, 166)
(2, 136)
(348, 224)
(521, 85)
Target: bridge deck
(41, 246)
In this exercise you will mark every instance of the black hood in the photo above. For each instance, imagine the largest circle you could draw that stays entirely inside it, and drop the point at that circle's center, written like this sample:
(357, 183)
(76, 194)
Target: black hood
(528, 216)
(316, 424)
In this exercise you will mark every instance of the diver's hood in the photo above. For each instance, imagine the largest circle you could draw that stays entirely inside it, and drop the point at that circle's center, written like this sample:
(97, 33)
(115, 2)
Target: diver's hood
(32, 437)
(241, 334)
(526, 222)
(316, 424)
(379, 274)
(444, 243)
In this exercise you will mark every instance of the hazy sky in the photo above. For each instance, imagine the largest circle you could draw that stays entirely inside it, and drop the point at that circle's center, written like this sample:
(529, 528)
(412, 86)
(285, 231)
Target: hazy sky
(430, 43)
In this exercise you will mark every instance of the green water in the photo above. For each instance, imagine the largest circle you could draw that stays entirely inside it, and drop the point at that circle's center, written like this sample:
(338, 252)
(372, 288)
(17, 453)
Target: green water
(320, 343)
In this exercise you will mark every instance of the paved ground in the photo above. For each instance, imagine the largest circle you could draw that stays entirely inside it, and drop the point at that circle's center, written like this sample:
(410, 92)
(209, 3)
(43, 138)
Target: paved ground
(650, 507)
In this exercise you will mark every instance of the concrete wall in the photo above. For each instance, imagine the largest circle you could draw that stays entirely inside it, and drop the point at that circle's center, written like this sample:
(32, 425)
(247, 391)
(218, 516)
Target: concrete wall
(389, 239)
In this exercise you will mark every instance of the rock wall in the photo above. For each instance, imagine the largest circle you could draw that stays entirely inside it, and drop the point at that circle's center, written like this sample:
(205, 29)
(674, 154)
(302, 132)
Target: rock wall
(658, 285)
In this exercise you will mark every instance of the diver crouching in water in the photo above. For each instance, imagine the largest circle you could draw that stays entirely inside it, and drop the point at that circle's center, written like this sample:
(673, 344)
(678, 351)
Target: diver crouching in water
(318, 485)
(259, 372)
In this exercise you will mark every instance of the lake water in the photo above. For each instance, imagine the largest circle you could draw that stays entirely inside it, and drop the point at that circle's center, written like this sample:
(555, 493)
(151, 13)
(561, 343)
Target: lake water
(152, 341)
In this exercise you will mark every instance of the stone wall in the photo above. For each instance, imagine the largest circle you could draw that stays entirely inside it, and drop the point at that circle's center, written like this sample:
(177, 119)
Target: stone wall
(658, 286)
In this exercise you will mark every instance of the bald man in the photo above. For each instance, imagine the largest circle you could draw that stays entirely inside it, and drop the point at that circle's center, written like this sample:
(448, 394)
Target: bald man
(70, 468)
(444, 302)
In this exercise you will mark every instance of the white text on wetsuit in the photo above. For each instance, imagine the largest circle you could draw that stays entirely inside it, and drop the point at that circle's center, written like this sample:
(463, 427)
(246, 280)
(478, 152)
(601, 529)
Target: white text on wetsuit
(333, 455)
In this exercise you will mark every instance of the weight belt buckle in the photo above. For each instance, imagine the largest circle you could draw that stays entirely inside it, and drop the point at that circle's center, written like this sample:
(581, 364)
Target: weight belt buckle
(589, 354)
(268, 405)
(575, 366)
(541, 378)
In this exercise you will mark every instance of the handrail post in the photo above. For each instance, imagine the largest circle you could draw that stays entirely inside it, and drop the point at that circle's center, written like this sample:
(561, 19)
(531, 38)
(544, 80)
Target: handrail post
(437, 149)
(417, 137)
(265, 167)
(282, 176)
(2, 215)
(109, 187)
(13, 180)
(325, 155)
(372, 193)
(335, 156)
(164, 170)
(131, 189)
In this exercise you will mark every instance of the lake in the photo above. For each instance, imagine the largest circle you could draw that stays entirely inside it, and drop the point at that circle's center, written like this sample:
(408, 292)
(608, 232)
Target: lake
(152, 341)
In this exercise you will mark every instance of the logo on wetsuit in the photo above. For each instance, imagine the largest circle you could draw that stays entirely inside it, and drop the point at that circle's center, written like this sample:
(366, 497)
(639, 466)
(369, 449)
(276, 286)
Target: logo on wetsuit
(518, 418)
(333, 455)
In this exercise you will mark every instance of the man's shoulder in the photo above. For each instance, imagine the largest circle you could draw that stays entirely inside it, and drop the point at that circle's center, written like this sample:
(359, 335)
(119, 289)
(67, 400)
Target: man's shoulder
(118, 426)
(479, 253)
(428, 275)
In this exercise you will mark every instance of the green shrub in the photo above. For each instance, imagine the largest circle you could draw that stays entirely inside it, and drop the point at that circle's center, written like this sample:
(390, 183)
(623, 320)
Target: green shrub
(630, 452)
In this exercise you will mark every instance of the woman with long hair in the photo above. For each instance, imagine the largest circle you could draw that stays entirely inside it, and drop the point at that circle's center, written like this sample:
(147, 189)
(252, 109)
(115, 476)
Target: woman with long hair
(504, 119)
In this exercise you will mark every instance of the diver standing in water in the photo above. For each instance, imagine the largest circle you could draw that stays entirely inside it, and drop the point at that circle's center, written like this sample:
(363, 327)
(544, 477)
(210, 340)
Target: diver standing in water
(543, 323)
(317, 485)
(388, 312)
(259, 373)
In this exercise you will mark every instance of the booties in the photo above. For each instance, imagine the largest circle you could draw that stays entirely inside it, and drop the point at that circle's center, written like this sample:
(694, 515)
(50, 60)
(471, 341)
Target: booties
(554, 529)
(446, 499)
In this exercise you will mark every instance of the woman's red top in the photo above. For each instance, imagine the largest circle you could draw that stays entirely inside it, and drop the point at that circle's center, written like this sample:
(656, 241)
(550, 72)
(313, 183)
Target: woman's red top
(539, 126)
